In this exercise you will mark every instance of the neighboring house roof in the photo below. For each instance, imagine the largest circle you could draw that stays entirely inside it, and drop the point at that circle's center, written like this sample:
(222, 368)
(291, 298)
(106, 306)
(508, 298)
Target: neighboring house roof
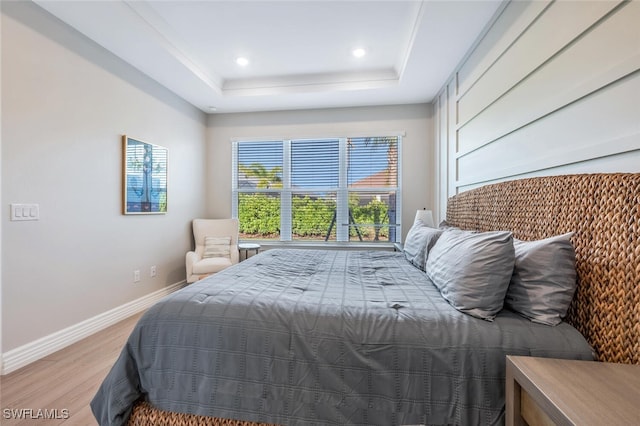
(382, 178)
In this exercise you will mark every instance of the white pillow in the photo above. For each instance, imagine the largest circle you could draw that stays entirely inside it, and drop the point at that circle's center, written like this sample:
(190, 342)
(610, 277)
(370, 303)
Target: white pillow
(217, 247)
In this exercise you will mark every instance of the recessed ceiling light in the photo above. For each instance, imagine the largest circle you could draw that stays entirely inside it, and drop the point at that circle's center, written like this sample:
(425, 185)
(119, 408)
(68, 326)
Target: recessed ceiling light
(359, 52)
(242, 61)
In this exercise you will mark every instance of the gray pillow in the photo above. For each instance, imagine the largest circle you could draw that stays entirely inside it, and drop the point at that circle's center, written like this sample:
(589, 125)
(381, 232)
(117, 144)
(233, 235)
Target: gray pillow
(472, 270)
(544, 279)
(420, 240)
(444, 225)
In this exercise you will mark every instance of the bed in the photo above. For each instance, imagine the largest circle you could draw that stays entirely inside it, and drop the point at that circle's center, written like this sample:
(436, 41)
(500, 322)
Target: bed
(363, 337)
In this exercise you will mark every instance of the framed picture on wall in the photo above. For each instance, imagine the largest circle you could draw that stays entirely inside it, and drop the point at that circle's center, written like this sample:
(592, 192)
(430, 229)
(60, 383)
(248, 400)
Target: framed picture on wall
(144, 177)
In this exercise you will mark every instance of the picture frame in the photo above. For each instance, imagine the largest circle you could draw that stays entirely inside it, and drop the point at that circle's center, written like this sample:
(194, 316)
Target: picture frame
(144, 177)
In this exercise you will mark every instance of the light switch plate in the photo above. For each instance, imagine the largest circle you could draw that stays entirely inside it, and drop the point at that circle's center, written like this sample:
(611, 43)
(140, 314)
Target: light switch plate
(25, 211)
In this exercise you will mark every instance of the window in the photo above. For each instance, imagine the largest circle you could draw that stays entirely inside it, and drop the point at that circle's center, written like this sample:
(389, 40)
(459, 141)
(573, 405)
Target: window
(340, 189)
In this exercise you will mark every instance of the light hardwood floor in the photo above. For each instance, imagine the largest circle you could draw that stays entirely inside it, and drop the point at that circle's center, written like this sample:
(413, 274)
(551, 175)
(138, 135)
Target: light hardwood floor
(66, 380)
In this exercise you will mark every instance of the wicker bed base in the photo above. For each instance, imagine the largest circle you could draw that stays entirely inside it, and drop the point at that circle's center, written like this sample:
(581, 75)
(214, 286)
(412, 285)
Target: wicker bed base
(145, 415)
(604, 212)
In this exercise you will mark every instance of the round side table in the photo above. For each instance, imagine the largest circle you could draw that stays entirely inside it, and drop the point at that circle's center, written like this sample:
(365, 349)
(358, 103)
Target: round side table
(246, 247)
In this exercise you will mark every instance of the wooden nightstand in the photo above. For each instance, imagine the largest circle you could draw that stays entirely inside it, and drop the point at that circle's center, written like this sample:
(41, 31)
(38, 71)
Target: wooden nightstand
(545, 391)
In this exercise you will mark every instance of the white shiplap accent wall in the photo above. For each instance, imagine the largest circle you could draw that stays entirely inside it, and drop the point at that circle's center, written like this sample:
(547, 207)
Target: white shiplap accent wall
(551, 88)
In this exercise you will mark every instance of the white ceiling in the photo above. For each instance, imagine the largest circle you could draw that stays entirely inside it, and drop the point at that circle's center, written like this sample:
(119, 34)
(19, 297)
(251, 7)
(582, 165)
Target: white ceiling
(299, 51)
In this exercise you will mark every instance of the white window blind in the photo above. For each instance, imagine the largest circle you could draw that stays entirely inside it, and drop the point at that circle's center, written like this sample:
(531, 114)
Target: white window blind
(258, 182)
(315, 173)
(372, 180)
(335, 189)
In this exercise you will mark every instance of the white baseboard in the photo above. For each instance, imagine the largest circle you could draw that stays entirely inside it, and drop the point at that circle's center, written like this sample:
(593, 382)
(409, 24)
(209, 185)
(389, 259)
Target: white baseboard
(33, 351)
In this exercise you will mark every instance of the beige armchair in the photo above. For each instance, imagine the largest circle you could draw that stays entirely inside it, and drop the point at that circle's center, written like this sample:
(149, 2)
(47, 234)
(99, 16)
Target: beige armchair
(216, 247)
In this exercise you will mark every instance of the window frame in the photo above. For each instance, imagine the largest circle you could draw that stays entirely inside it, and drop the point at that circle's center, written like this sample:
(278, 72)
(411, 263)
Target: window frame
(287, 192)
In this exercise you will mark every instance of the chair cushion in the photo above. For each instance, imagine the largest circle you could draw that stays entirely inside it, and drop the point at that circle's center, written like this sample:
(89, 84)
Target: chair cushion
(210, 265)
(216, 247)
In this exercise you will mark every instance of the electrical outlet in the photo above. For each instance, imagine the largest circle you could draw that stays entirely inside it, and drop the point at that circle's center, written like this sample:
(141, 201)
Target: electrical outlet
(136, 276)
(152, 271)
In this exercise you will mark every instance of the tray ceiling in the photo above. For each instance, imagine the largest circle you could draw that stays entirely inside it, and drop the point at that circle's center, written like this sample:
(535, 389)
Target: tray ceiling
(299, 53)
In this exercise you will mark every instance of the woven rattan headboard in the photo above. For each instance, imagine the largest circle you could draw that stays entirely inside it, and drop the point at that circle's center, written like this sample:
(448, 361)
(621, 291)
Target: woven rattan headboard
(604, 212)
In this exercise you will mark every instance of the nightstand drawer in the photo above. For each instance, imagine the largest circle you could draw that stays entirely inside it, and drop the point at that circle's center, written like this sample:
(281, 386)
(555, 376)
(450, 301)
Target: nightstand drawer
(532, 413)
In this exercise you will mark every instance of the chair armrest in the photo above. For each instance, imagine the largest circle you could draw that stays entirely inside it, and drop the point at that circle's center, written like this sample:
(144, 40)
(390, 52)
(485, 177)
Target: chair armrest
(234, 253)
(191, 258)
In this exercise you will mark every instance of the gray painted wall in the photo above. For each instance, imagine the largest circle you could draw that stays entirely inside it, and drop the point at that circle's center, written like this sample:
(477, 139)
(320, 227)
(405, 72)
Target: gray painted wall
(65, 104)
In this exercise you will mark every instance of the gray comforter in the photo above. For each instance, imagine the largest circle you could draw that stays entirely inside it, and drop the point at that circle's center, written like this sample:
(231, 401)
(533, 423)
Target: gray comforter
(309, 337)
